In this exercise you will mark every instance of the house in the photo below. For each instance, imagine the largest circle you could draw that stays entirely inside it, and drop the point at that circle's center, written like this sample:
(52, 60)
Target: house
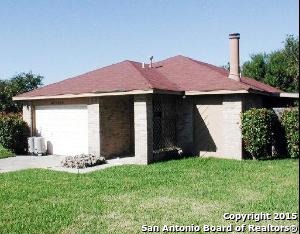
(144, 110)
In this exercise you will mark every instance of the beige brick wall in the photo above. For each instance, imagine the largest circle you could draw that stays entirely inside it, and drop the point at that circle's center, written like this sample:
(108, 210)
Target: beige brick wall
(28, 116)
(143, 128)
(232, 136)
(94, 126)
(208, 125)
(116, 121)
(123, 125)
(217, 122)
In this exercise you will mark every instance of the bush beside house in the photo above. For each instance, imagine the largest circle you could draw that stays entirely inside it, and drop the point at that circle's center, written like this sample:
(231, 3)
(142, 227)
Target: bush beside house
(265, 135)
(13, 133)
(290, 123)
(13, 130)
(257, 132)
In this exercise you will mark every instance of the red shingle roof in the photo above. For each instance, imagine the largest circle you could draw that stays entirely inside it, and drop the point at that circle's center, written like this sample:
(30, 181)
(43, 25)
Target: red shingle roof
(178, 73)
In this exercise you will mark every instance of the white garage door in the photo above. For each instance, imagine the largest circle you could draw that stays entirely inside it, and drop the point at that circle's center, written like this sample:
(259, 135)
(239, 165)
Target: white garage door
(64, 127)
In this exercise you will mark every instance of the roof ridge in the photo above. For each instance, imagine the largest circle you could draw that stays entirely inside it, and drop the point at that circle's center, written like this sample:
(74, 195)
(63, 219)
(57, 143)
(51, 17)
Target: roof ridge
(153, 69)
(148, 82)
(100, 68)
(166, 78)
(83, 74)
(177, 73)
(219, 70)
(75, 76)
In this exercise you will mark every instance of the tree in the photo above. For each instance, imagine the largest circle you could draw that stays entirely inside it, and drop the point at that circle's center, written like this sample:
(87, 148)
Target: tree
(291, 52)
(279, 68)
(21, 83)
(256, 68)
(277, 73)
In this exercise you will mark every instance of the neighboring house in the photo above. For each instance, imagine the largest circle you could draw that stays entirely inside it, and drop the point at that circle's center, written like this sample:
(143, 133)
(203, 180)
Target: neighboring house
(143, 110)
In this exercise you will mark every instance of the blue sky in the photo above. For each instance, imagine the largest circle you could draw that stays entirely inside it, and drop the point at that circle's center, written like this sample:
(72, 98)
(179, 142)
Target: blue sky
(60, 39)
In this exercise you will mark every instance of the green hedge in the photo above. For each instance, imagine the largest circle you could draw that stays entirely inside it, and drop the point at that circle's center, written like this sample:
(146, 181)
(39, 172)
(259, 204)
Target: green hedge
(290, 122)
(13, 132)
(257, 125)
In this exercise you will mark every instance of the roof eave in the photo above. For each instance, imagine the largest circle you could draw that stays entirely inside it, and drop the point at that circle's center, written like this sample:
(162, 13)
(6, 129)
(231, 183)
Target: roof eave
(289, 95)
(275, 94)
(190, 93)
(83, 95)
(262, 92)
(164, 91)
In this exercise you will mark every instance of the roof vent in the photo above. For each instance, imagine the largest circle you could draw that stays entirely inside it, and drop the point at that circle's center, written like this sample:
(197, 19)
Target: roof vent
(143, 65)
(151, 65)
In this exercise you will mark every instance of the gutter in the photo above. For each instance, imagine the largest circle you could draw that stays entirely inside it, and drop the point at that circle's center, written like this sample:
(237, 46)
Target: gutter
(289, 95)
(191, 93)
(81, 95)
(85, 95)
(159, 91)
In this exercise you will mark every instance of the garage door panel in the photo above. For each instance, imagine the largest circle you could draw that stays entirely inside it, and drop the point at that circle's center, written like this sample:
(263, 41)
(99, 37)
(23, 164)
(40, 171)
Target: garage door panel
(65, 128)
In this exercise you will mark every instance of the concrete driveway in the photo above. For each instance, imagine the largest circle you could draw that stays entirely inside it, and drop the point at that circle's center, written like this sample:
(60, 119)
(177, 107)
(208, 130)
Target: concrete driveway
(52, 162)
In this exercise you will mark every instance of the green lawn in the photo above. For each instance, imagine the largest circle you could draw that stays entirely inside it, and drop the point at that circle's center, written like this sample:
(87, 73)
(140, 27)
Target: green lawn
(121, 199)
(5, 153)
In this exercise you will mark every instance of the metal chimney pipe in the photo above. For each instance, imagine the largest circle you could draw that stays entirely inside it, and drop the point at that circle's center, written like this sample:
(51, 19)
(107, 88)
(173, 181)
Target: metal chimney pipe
(234, 72)
(150, 65)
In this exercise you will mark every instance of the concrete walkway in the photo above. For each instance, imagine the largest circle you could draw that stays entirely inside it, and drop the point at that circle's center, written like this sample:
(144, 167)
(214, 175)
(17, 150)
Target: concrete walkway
(53, 162)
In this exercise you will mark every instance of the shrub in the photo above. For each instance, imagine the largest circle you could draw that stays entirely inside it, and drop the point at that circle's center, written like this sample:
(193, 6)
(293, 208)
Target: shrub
(82, 161)
(279, 144)
(290, 122)
(257, 132)
(13, 132)
(5, 153)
